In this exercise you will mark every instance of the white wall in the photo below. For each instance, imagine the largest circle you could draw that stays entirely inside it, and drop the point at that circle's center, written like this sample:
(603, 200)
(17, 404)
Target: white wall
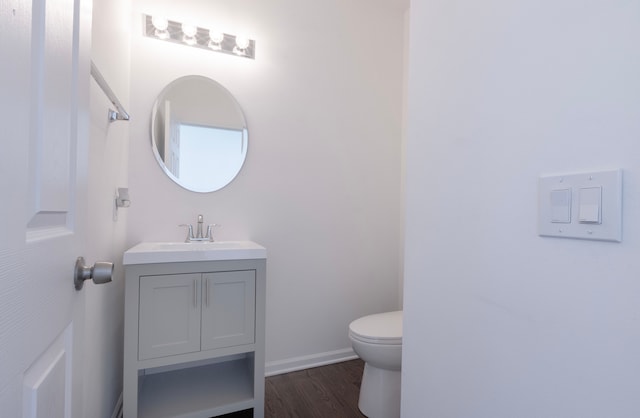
(109, 147)
(500, 322)
(321, 185)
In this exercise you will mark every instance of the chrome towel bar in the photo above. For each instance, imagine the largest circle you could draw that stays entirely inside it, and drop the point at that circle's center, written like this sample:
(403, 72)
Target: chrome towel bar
(119, 113)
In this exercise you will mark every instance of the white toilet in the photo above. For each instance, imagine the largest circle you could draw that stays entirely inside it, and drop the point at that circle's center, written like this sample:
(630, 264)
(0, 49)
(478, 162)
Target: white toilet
(377, 339)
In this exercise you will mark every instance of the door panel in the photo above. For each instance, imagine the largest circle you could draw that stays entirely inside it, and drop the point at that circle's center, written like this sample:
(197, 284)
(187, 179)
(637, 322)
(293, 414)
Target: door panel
(228, 309)
(169, 315)
(45, 381)
(50, 153)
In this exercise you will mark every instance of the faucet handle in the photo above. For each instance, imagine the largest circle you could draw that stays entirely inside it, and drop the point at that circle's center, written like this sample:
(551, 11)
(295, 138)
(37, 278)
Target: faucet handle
(210, 231)
(189, 232)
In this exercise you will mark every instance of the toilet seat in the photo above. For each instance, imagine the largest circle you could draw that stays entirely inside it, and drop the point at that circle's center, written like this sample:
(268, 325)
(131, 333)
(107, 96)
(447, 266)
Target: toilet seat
(383, 329)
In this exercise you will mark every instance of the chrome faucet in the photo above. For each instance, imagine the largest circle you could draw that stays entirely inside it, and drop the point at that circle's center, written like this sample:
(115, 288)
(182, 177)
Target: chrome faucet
(199, 236)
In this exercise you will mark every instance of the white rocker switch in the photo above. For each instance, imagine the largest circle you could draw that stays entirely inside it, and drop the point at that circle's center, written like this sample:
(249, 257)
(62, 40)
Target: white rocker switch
(590, 211)
(560, 206)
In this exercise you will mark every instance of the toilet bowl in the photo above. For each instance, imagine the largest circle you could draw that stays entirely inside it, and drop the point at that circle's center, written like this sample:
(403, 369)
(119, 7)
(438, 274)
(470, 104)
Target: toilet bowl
(377, 340)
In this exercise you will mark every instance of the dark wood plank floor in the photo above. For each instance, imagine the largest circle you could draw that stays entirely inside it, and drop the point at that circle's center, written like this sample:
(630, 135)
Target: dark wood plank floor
(322, 392)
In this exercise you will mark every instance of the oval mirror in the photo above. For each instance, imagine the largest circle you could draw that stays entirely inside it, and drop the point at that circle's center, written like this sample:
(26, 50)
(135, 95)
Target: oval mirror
(198, 134)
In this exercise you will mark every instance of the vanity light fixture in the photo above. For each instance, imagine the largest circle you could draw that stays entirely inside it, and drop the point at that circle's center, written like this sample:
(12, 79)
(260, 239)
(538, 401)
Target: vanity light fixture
(187, 34)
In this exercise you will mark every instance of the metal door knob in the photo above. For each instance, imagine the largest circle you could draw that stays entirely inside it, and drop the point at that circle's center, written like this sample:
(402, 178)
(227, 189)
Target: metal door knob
(101, 272)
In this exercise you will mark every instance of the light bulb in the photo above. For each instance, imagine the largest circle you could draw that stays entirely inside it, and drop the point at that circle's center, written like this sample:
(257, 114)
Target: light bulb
(215, 39)
(160, 23)
(189, 34)
(242, 42)
(216, 36)
(189, 30)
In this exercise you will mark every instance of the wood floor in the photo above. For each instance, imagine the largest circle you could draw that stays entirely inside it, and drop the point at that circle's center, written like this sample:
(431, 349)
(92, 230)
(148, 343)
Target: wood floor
(322, 392)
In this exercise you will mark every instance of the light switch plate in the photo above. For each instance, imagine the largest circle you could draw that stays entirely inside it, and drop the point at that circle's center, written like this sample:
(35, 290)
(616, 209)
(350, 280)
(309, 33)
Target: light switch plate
(607, 226)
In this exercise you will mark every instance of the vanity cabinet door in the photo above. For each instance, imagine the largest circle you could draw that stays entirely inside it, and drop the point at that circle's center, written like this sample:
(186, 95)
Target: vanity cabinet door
(169, 315)
(228, 309)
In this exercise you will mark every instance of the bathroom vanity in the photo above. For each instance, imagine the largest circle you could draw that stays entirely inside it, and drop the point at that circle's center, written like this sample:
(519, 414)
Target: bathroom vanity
(194, 329)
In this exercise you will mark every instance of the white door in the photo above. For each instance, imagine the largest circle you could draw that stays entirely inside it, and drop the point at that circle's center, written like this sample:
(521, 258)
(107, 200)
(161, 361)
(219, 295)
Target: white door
(44, 88)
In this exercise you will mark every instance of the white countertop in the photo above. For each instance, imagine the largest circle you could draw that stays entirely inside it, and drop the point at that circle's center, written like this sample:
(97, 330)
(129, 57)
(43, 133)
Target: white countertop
(176, 252)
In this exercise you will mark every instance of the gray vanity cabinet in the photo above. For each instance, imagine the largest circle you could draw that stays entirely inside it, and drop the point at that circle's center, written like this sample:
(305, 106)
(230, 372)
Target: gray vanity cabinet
(194, 338)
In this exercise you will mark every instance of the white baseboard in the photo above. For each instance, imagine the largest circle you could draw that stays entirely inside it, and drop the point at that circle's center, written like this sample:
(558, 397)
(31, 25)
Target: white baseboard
(306, 362)
(117, 411)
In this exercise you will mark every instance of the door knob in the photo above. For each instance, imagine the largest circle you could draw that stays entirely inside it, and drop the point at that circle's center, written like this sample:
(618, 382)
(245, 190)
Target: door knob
(101, 272)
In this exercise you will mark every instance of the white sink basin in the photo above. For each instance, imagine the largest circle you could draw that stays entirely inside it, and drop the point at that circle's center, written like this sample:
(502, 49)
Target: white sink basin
(176, 252)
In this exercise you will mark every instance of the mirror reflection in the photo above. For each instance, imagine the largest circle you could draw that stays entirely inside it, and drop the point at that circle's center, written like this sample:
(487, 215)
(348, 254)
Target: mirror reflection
(199, 134)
